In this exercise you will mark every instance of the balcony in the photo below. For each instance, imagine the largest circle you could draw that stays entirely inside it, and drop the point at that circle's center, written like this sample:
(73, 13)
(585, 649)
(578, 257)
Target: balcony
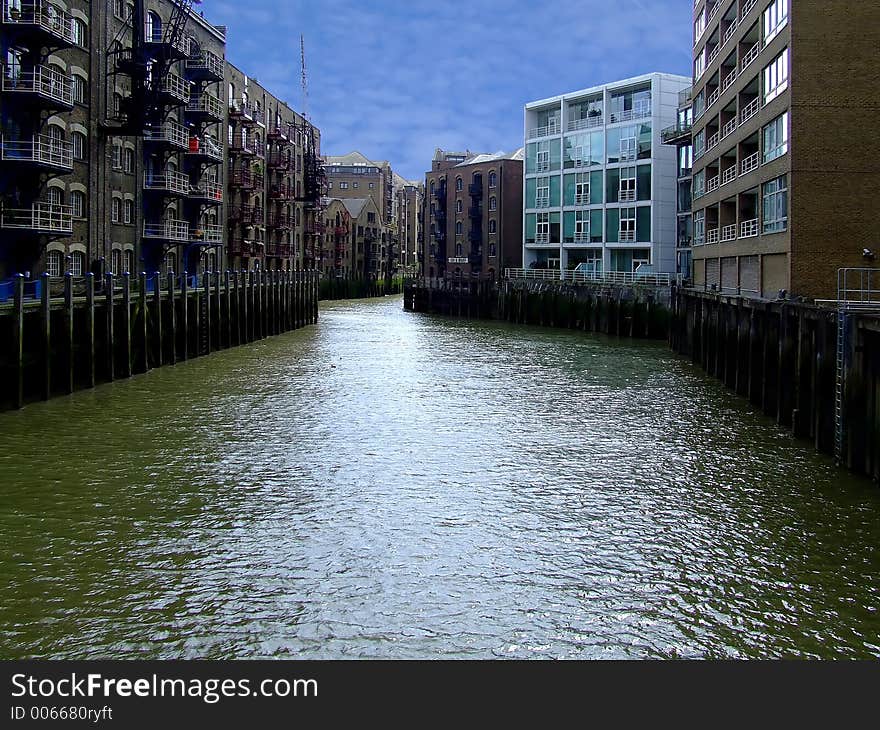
(728, 34)
(713, 141)
(39, 84)
(161, 42)
(728, 81)
(475, 190)
(246, 147)
(729, 128)
(169, 133)
(628, 115)
(175, 89)
(542, 201)
(588, 122)
(277, 135)
(752, 162)
(278, 160)
(280, 221)
(729, 175)
(582, 237)
(45, 22)
(41, 150)
(169, 183)
(728, 233)
(712, 184)
(208, 192)
(206, 148)
(245, 112)
(748, 229)
(169, 230)
(205, 106)
(43, 218)
(627, 196)
(713, 97)
(208, 234)
(750, 56)
(750, 109)
(246, 214)
(626, 236)
(553, 127)
(281, 192)
(240, 246)
(677, 134)
(475, 211)
(542, 238)
(582, 199)
(205, 66)
(245, 179)
(747, 8)
(712, 236)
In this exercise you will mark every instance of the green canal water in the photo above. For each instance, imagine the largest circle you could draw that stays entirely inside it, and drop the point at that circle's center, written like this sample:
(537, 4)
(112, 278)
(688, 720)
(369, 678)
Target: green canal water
(387, 484)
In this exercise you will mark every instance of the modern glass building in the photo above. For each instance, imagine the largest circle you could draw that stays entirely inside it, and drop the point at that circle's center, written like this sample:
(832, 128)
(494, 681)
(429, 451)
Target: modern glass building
(600, 187)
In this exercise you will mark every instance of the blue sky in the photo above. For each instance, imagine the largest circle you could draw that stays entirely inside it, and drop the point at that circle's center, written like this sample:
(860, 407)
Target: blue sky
(394, 80)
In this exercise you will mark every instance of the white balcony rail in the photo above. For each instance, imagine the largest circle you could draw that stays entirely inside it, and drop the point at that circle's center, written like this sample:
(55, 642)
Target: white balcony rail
(712, 235)
(42, 80)
(626, 236)
(208, 189)
(585, 277)
(552, 127)
(39, 217)
(728, 233)
(170, 132)
(713, 97)
(175, 86)
(209, 233)
(728, 81)
(542, 238)
(583, 199)
(174, 182)
(629, 115)
(582, 237)
(42, 14)
(172, 230)
(542, 166)
(207, 103)
(728, 34)
(747, 7)
(750, 56)
(206, 61)
(750, 163)
(41, 149)
(729, 128)
(156, 35)
(627, 196)
(542, 202)
(729, 175)
(749, 110)
(586, 123)
(714, 11)
(712, 184)
(748, 229)
(713, 141)
(713, 56)
(209, 146)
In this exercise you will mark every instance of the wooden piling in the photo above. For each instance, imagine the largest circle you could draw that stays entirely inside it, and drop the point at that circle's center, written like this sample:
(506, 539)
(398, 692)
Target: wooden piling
(172, 319)
(69, 348)
(126, 323)
(109, 339)
(90, 330)
(46, 337)
(184, 314)
(18, 341)
(157, 319)
(142, 327)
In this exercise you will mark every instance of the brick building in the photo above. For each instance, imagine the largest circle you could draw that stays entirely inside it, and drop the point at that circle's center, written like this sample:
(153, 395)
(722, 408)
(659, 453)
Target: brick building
(409, 197)
(782, 90)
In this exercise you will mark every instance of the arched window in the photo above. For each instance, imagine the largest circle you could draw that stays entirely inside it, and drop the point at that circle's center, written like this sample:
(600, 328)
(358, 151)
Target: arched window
(493, 226)
(128, 207)
(77, 263)
(493, 203)
(78, 203)
(493, 180)
(115, 210)
(432, 187)
(459, 183)
(79, 145)
(492, 249)
(458, 206)
(80, 33)
(55, 196)
(129, 261)
(54, 261)
(117, 105)
(154, 28)
(116, 261)
(128, 160)
(458, 249)
(458, 228)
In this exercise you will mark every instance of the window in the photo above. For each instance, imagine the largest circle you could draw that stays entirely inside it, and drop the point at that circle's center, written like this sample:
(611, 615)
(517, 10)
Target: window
(79, 89)
(371, 217)
(776, 138)
(699, 228)
(699, 143)
(459, 184)
(627, 184)
(116, 162)
(493, 202)
(582, 226)
(116, 261)
(78, 203)
(55, 196)
(582, 189)
(700, 183)
(458, 228)
(128, 207)
(776, 77)
(129, 260)
(129, 11)
(79, 145)
(343, 186)
(628, 148)
(115, 211)
(154, 28)
(77, 263)
(53, 263)
(80, 34)
(117, 105)
(459, 206)
(699, 26)
(775, 205)
(493, 180)
(542, 192)
(492, 250)
(118, 9)
(493, 226)
(699, 64)
(372, 185)
(542, 231)
(128, 160)
(627, 224)
(775, 18)
(458, 249)
(354, 185)
(432, 187)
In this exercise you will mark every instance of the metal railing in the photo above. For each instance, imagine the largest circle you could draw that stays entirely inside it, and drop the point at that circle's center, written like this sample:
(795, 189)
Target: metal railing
(553, 127)
(246, 109)
(626, 236)
(41, 149)
(170, 132)
(750, 56)
(750, 163)
(729, 128)
(156, 36)
(728, 233)
(728, 34)
(599, 277)
(728, 81)
(208, 189)
(747, 7)
(41, 80)
(542, 238)
(43, 15)
(174, 182)
(207, 145)
(748, 229)
(626, 196)
(749, 110)
(175, 86)
(542, 202)
(582, 199)
(41, 216)
(206, 61)
(713, 97)
(712, 235)
(713, 141)
(172, 230)
(629, 115)
(712, 184)
(209, 233)
(206, 104)
(586, 123)
(729, 175)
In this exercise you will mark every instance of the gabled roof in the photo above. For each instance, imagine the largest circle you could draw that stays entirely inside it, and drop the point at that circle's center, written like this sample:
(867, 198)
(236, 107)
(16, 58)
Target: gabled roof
(480, 159)
(353, 158)
(355, 206)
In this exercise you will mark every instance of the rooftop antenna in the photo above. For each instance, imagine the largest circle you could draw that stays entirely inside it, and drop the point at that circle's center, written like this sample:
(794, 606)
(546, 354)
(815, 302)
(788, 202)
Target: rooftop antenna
(305, 82)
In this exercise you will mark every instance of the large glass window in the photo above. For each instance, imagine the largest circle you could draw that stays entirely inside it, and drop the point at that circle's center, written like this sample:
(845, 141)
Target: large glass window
(634, 104)
(699, 227)
(776, 138)
(775, 205)
(583, 150)
(776, 77)
(626, 144)
(775, 18)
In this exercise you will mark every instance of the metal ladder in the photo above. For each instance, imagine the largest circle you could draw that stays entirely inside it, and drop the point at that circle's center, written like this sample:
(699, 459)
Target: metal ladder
(840, 385)
(203, 323)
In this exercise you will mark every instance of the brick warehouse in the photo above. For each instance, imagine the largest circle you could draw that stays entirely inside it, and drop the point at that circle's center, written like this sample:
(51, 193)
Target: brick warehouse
(93, 180)
(784, 168)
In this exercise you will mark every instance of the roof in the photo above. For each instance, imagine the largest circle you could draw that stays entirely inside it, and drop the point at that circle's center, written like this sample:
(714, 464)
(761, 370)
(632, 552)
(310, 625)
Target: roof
(683, 81)
(354, 206)
(353, 158)
(480, 159)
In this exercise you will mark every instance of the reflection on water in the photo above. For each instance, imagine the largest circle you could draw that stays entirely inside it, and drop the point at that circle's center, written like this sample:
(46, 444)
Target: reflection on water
(389, 484)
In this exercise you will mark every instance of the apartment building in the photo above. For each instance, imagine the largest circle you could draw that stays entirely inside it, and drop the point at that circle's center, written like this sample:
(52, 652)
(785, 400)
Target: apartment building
(600, 186)
(679, 135)
(102, 169)
(336, 247)
(352, 177)
(784, 148)
(409, 197)
(473, 213)
(370, 240)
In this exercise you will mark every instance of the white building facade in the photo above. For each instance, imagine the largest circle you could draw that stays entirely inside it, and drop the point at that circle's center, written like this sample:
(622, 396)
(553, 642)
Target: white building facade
(599, 186)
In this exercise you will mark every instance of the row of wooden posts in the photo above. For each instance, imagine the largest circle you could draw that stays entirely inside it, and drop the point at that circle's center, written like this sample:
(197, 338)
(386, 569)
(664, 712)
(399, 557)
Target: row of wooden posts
(132, 324)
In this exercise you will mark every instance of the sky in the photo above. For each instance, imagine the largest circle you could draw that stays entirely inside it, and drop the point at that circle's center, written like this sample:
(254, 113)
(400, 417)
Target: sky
(395, 80)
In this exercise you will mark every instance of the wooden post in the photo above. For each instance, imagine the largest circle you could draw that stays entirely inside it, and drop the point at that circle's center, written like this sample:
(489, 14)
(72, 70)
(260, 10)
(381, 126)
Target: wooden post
(184, 311)
(172, 321)
(143, 333)
(68, 331)
(90, 329)
(109, 339)
(45, 331)
(246, 309)
(218, 313)
(227, 307)
(126, 320)
(238, 305)
(18, 341)
(208, 314)
(157, 318)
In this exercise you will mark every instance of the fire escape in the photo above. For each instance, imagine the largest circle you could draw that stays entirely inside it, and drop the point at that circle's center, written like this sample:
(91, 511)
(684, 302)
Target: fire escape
(31, 150)
(475, 233)
(280, 163)
(314, 190)
(340, 235)
(246, 180)
(439, 231)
